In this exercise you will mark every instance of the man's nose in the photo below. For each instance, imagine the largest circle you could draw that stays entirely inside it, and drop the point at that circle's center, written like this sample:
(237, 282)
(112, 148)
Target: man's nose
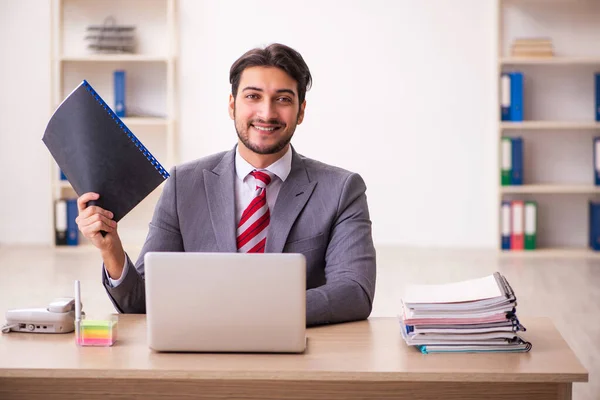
(267, 111)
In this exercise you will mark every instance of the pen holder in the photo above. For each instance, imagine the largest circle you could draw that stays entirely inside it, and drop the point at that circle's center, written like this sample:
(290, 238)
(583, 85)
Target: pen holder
(101, 333)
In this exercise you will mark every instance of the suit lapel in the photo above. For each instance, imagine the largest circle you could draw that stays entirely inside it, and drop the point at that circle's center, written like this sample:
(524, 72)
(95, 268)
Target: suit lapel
(292, 197)
(220, 193)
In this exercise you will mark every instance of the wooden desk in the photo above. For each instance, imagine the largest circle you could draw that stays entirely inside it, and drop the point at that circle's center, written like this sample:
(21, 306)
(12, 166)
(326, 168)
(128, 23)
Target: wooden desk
(360, 360)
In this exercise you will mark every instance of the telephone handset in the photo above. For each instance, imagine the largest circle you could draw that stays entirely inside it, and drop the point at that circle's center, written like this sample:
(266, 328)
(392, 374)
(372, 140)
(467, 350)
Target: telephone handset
(58, 317)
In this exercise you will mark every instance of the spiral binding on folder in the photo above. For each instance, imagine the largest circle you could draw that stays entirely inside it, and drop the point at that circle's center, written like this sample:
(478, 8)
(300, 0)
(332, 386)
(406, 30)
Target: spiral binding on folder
(125, 129)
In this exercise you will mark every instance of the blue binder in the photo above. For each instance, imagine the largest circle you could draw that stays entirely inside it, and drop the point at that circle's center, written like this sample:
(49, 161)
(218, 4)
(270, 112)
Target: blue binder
(119, 83)
(597, 160)
(517, 161)
(594, 228)
(63, 177)
(506, 224)
(505, 96)
(516, 96)
(597, 91)
(72, 230)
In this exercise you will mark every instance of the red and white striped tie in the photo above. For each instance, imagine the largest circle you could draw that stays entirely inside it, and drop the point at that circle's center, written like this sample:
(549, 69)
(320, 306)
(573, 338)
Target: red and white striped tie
(252, 228)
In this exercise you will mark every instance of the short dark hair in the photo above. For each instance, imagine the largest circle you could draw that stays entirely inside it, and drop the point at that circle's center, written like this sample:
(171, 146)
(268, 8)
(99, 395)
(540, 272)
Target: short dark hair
(275, 55)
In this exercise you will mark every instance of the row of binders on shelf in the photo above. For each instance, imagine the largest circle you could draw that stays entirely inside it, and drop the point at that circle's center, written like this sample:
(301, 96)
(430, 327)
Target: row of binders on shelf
(511, 96)
(511, 168)
(476, 315)
(519, 225)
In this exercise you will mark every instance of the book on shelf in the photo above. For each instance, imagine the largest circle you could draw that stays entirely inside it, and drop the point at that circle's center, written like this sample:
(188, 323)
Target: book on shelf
(530, 225)
(475, 315)
(594, 225)
(532, 47)
(597, 95)
(511, 96)
(596, 154)
(65, 228)
(505, 224)
(119, 88)
(517, 161)
(511, 161)
(517, 238)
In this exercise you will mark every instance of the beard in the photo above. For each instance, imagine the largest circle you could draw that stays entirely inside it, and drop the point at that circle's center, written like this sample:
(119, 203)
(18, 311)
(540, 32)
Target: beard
(242, 131)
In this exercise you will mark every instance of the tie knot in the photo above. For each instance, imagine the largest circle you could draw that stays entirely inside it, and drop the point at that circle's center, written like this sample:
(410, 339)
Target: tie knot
(263, 178)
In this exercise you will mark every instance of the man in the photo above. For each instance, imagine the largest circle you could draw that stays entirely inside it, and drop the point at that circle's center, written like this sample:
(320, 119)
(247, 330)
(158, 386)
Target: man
(261, 196)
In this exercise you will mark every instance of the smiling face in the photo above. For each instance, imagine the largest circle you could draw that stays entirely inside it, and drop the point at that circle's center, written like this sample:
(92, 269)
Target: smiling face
(266, 111)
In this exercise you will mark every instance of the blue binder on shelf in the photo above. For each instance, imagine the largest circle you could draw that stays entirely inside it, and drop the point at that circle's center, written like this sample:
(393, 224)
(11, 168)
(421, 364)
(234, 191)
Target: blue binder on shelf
(63, 177)
(517, 161)
(597, 92)
(72, 230)
(506, 224)
(594, 225)
(597, 160)
(505, 96)
(516, 96)
(119, 83)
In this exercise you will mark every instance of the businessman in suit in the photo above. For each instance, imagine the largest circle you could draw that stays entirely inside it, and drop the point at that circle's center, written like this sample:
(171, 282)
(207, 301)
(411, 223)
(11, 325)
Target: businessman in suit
(261, 196)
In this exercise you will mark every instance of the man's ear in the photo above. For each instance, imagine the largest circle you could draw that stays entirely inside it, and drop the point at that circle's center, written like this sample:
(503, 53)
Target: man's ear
(231, 107)
(301, 112)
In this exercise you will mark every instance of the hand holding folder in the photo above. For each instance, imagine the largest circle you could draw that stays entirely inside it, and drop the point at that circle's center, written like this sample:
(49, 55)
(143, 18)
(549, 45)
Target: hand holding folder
(93, 220)
(99, 154)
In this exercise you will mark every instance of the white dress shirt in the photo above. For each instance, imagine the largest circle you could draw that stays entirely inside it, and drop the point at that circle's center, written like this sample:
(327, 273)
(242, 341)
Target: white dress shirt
(245, 186)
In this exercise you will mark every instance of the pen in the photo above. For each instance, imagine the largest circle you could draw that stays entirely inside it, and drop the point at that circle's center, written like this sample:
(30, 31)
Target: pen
(77, 309)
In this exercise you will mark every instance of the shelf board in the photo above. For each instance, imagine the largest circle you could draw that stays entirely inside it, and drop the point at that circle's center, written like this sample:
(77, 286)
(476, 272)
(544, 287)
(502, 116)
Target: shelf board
(568, 252)
(63, 184)
(550, 189)
(546, 125)
(145, 121)
(114, 58)
(550, 61)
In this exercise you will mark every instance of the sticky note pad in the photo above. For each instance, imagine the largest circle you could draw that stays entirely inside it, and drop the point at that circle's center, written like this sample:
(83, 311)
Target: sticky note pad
(97, 333)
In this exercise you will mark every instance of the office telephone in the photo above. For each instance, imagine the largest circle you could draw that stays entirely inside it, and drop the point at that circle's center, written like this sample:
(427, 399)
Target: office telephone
(57, 317)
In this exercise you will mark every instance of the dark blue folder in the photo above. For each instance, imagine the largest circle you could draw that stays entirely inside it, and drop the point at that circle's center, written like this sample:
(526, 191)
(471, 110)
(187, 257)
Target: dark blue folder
(517, 161)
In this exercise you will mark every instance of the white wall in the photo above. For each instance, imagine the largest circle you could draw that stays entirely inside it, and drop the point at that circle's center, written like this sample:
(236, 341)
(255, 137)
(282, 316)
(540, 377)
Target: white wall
(24, 110)
(404, 93)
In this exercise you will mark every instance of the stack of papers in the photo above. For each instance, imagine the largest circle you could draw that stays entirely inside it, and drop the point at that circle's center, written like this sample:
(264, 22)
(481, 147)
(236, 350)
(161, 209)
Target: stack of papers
(477, 315)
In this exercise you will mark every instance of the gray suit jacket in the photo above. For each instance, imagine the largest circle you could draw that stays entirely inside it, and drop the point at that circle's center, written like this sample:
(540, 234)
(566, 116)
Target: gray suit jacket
(321, 211)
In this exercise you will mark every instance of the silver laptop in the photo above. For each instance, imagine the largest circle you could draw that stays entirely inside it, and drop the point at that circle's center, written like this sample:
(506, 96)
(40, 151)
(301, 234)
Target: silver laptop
(226, 302)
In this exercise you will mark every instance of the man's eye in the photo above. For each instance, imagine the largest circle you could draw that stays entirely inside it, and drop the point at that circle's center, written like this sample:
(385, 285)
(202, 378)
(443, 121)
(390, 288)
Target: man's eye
(285, 99)
(252, 96)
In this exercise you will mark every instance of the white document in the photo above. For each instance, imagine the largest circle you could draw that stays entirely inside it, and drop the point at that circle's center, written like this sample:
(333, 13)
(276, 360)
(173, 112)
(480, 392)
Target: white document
(469, 290)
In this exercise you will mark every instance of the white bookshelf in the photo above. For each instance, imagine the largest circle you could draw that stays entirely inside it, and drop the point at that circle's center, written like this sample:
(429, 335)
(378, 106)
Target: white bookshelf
(150, 85)
(552, 253)
(559, 120)
(564, 61)
(550, 189)
(93, 58)
(550, 125)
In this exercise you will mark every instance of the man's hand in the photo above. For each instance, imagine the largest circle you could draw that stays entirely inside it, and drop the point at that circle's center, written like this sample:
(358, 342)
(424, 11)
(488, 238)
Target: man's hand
(91, 221)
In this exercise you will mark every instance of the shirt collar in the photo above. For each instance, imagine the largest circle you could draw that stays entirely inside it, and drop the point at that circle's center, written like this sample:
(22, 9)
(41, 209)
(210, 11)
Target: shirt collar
(281, 168)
